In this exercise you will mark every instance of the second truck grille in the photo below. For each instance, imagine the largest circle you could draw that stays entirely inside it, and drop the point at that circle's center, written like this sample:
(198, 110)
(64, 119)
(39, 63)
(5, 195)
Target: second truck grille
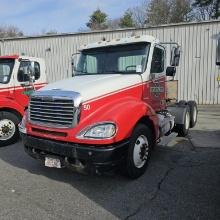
(52, 112)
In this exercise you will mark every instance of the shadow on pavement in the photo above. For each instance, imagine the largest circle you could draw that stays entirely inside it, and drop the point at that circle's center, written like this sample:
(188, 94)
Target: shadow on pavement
(180, 181)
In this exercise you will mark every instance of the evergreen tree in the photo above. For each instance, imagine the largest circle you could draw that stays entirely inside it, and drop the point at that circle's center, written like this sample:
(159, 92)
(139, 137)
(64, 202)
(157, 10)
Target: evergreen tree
(127, 21)
(97, 20)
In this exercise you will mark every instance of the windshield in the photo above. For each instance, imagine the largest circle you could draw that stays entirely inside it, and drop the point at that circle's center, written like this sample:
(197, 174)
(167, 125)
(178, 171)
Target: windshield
(121, 59)
(6, 67)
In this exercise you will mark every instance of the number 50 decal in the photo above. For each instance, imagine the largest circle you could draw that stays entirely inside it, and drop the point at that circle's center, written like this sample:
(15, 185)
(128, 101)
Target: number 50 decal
(86, 107)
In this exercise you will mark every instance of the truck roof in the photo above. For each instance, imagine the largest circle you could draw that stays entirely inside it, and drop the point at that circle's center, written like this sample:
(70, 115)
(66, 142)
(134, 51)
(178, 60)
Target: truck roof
(120, 41)
(16, 56)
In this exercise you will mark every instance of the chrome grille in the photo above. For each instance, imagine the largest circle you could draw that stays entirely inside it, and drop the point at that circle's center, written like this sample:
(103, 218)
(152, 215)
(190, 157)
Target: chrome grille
(51, 111)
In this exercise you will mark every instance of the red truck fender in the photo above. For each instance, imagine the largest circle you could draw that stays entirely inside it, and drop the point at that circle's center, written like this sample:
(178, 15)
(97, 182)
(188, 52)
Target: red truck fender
(7, 103)
(125, 113)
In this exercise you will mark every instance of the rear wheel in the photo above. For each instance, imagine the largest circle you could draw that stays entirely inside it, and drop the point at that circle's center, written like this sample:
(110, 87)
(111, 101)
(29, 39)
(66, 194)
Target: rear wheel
(8, 128)
(193, 113)
(139, 151)
(182, 103)
(183, 129)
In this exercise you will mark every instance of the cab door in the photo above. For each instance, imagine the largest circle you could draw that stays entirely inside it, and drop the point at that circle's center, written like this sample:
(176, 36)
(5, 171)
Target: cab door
(156, 87)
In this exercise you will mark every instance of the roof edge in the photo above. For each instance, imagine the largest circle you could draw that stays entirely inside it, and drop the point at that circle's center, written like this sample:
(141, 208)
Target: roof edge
(110, 30)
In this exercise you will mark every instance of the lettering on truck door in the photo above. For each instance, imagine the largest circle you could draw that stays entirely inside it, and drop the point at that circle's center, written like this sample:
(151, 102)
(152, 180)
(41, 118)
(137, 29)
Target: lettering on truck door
(157, 79)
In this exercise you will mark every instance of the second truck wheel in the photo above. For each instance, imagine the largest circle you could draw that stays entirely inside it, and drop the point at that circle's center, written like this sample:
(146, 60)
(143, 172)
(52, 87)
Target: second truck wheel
(8, 128)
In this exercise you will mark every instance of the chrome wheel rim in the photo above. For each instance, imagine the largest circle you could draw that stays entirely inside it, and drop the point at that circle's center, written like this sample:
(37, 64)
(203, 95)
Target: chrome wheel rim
(187, 121)
(7, 129)
(141, 151)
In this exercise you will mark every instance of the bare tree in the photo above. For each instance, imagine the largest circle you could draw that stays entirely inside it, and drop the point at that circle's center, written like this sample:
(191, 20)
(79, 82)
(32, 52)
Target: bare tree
(10, 31)
(202, 13)
(180, 10)
(206, 9)
(139, 14)
(113, 23)
(49, 32)
(168, 11)
(158, 12)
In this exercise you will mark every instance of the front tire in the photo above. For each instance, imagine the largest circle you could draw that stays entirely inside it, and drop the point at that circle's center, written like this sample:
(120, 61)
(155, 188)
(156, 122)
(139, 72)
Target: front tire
(9, 133)
(139, 151)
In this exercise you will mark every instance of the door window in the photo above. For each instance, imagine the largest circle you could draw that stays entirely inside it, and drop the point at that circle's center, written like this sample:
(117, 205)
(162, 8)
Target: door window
(157, 65)
(6, 68)
(24, 71)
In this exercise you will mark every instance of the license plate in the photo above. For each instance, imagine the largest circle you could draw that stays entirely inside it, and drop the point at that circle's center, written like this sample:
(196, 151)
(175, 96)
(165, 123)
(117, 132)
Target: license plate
(52, 162)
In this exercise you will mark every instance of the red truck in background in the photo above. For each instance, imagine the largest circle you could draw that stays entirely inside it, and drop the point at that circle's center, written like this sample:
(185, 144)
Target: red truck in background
(19, 76)
(112, 112)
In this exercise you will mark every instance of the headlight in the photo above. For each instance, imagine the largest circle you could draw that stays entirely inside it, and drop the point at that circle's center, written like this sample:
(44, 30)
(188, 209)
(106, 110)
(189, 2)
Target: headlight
(98, 131)
(22, 124)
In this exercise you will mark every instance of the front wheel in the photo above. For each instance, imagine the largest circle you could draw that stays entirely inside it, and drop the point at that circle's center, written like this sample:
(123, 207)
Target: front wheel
(139, 151)
(8, 128)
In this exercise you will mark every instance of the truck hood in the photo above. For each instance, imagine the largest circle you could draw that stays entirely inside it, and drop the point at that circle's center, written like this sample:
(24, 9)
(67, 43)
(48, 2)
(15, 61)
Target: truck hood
(93, 86)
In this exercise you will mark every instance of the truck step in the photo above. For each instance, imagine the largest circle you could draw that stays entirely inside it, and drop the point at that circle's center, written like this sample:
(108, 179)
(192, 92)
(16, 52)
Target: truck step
(165, 140)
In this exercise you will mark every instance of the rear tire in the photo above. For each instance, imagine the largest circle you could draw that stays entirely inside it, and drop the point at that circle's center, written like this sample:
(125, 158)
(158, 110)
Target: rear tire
(139, 151)
(193, 109)
(183, 129)
(9, 133)
(182, 103)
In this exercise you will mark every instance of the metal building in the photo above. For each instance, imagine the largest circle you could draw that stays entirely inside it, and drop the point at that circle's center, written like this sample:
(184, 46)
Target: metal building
(197, 72)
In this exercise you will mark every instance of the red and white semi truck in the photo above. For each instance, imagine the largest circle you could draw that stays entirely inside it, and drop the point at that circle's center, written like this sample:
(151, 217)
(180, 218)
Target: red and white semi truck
(111, 113)
(19, 75)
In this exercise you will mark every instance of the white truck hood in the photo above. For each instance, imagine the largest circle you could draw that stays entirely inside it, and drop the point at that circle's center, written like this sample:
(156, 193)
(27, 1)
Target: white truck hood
(93, 86)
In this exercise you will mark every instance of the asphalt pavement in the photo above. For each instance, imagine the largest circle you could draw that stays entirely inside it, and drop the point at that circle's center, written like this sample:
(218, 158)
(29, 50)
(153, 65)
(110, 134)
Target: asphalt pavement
(182, 182)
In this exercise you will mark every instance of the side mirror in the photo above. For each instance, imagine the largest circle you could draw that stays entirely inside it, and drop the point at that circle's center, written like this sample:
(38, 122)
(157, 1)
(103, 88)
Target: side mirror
(171, 71)
(74, 62)
(29, 75)
(26, 73)
(32, 72)
(31, 69)
(218, 52)
(175, 56)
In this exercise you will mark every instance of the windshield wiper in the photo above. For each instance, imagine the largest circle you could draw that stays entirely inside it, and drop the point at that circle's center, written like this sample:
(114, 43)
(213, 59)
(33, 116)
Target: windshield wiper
(86, 73)
(120, 72)
(114, 71)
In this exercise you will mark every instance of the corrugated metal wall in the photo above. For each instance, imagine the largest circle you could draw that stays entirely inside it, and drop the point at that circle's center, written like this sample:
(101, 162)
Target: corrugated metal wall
(197, 72)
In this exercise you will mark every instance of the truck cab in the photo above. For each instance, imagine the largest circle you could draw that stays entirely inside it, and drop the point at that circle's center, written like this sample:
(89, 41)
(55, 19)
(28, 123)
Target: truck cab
(111, 113)
(19, 76)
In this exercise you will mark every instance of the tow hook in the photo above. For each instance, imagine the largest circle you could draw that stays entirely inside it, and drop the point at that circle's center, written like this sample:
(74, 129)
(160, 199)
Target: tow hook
(75, 165)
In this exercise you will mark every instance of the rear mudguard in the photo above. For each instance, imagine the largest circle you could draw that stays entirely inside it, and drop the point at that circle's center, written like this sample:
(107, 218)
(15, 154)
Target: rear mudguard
(178, 111)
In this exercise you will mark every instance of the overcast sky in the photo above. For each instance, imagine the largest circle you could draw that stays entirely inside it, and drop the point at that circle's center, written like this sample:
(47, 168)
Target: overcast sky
(35, 16)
